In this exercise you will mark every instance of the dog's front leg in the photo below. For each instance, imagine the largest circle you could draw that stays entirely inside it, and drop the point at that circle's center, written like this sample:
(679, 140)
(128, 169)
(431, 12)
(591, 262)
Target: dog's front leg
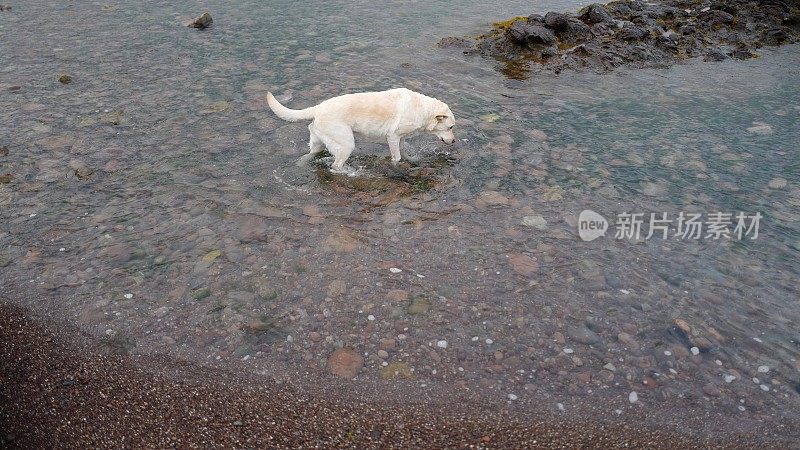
(394, 147)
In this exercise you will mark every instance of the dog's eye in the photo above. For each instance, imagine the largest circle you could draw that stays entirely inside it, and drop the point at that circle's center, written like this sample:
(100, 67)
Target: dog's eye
(451, 127)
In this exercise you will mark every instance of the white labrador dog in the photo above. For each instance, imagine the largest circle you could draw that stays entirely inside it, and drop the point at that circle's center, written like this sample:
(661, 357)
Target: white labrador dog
(393, 115)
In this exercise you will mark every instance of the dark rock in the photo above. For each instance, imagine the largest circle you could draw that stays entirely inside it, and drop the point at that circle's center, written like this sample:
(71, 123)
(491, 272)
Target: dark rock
(603, 29)
(715, 17)
(540, 35)
(576, 32)
(5, 8)
(638, 34)
(531, 34)
(715, 54)
(518, 31)
(725, 5)
(556, 21)
(536, 19)
(549, 52)
(644, 21)
(595, 13)
(6, 178)
(619, 10)
(743, 52)
(202, 21)
(633, 33)
(667, 42)
(689, 28)
(65, 79)
(4, 151)
(775, 36)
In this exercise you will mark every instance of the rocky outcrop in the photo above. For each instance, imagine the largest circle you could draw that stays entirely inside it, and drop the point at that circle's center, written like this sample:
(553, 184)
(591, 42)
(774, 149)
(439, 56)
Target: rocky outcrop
(202, 21)
(637, 34)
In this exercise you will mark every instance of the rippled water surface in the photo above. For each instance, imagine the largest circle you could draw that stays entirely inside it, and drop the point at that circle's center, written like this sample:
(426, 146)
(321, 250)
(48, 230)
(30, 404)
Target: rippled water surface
(155, 202)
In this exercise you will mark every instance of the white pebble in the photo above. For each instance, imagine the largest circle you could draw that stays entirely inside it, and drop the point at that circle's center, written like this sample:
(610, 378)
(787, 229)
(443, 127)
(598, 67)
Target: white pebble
(718, 362)
(741, 408)
(370, 317)
(289, 338)
(560, 406)
(667, 353)
(395, 270)
(569, 351)
(729, 378)
(758, 340)
(128, 296)
(62, 249)
(489, 341)
(442, 344)
(695, 351)
(419, 275)
(633, 397)
(756, 380)
(618, 412)
(763, 369)
(512, 397)
(625, 291)
(764, 388)
(475, 338)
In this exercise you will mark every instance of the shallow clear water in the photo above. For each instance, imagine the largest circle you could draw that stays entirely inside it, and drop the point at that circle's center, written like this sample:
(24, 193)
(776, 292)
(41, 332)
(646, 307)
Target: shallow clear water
(195, 234)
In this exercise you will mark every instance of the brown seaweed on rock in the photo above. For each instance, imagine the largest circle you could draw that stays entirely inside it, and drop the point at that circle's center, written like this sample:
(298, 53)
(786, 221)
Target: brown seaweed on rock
(636, 34)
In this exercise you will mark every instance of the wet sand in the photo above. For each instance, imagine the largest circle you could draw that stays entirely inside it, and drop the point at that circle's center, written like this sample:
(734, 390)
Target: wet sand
(59, 390)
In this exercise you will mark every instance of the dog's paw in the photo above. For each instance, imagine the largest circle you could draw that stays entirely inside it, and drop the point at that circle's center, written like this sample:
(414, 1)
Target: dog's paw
(346, 170)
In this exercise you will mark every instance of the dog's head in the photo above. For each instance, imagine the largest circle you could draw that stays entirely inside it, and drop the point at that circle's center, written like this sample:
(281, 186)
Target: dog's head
(442, 123)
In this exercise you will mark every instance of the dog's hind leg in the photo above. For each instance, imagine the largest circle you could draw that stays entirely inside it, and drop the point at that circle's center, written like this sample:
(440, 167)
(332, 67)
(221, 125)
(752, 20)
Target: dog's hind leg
(340, 142)
(315, 146)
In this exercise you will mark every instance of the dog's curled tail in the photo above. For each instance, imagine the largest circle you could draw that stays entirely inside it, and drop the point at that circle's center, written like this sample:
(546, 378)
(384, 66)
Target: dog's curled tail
(292, 115)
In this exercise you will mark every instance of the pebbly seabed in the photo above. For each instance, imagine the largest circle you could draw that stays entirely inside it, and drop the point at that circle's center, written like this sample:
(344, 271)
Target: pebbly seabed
(154, 203)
